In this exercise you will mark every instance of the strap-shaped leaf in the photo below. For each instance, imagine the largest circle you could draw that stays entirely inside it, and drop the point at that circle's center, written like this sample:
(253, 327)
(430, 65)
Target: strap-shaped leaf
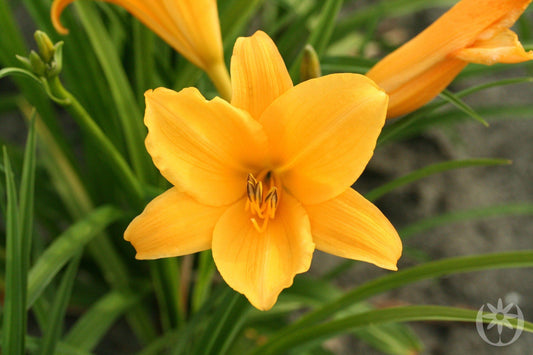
(65, 247)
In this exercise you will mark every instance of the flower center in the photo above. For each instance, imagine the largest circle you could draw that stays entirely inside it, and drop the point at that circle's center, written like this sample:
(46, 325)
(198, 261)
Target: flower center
(263, 199)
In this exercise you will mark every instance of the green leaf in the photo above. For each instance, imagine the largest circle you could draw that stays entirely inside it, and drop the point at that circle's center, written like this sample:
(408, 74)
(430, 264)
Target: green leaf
(33, 344)
(234, 16)
(343, 64)
(302, 336)
(74, 195)
(198, 322)
(204, 278)
(52, 332)
(320, 35)
(465, 215)
(404, 277)
(390, 338)
(461, 105)
(13, 328)
(129, 113)
(226, 324)
(93, 325)
(109, 152)
(143, 56)
(26, 208)
(166, 279)
(358, 18)
(66, 246)
(424, 117)
(430, 170)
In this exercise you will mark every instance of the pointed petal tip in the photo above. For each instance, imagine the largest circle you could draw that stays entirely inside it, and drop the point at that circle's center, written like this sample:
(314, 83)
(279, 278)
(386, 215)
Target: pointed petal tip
(263, 305)
(55, 13)
(261, 265)
(258, 73)
(392, 266)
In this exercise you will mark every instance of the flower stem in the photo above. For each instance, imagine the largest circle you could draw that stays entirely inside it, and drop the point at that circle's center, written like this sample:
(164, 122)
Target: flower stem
(108, 150)
(219, 75)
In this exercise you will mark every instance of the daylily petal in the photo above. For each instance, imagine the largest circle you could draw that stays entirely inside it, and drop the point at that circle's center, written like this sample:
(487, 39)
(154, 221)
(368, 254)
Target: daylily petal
(323, 133)
(258, 73)
(207, 148)
(433, 49)
(190, 26)
(417, 93)
(172, 224)
(260, 265)
(504, 47)
(350, 226)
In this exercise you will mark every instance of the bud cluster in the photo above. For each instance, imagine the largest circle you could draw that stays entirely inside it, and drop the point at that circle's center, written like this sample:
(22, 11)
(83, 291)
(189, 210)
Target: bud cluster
(47, 61)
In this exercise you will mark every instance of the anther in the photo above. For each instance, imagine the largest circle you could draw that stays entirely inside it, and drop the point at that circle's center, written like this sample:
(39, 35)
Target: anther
(261, 205)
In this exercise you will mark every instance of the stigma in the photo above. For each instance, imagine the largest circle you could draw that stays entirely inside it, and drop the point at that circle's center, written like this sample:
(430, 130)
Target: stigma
(263, 199)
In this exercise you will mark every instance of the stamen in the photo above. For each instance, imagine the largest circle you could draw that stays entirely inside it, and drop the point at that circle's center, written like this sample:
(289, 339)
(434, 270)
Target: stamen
(259, 193)
(250, 187)
(264, 206)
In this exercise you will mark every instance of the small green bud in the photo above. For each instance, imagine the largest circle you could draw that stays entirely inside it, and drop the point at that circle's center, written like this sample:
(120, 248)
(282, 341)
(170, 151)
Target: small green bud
(25, 62)
(45, 45)
(310, 67)
(57, 63)
(37, 64)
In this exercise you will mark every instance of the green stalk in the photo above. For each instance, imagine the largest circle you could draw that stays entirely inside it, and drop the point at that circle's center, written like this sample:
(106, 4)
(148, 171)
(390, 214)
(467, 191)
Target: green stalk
(109, 152)
(120, 89)
(79, 204)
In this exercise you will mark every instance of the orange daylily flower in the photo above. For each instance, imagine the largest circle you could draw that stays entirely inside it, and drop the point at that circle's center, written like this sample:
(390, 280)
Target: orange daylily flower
(473, 31)
(265, 179)
(190, 26)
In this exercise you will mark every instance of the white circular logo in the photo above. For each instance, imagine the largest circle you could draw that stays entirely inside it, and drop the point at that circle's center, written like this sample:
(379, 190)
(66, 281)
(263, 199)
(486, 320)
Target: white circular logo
(499, 317)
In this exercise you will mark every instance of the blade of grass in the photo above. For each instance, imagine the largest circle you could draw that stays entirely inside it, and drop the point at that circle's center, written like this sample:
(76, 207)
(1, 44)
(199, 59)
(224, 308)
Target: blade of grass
(301, 337)
(342, 64)
(93, 325)
(234, 15)
(199, 321)
(465, 215)
(394, 8)
(52, 332)
(391, 338)
(429, 170)
(404, 277)
(79, 204)
(33, 343)
(108, 151)
(129, 113)
(13, 327)
(422, 117)
(166, 278)
(143, 45)
(461, 105)
(229, 320)
(206, 269)
(26, 208)
(66, 246)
